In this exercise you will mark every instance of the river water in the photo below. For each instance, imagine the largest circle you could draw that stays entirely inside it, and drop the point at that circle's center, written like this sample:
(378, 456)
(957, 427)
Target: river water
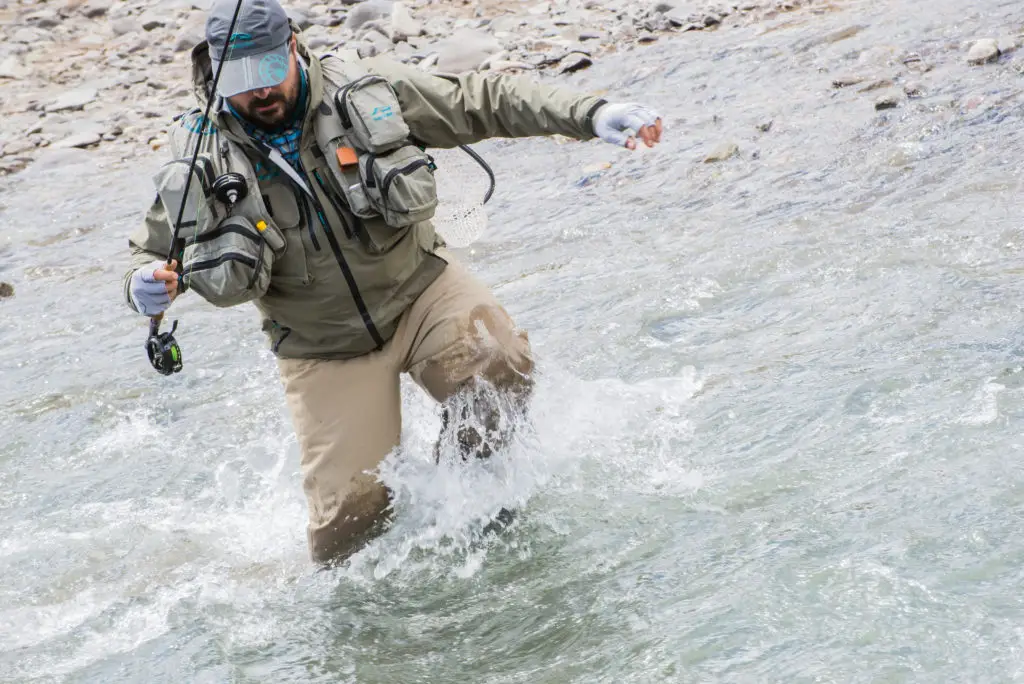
(773, 437)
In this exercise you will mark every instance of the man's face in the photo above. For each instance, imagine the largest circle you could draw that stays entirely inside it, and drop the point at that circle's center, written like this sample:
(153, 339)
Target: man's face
(271, 108)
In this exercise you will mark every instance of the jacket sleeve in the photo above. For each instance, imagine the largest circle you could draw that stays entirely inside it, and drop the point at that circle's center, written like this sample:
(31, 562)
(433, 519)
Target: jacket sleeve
(148, 243)
(444, 110)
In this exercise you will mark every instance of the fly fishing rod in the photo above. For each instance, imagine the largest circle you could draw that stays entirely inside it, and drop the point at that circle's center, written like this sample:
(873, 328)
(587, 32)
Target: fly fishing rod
(163, 350)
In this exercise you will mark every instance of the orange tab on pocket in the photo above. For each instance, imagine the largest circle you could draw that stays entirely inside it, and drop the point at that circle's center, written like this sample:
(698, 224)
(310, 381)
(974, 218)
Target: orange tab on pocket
(347, 156)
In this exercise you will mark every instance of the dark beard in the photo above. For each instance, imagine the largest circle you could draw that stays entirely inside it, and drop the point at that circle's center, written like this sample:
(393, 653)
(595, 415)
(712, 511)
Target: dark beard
(277, 122)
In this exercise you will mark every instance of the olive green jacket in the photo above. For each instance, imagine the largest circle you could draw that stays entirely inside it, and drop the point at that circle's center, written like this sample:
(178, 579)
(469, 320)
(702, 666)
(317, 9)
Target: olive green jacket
(341, 285)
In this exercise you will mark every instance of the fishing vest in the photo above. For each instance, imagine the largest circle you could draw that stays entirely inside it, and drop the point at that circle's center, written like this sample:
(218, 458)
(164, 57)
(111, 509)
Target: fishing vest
(230, 239)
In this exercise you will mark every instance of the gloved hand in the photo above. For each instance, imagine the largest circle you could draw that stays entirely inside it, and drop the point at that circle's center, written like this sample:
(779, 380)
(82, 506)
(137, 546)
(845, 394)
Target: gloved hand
(154, 286)
(613, 120)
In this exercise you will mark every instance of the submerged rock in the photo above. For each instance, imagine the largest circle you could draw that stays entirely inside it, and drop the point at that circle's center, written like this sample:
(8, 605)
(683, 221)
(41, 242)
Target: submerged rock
(887, 101)
(722, 152)
(983, 51)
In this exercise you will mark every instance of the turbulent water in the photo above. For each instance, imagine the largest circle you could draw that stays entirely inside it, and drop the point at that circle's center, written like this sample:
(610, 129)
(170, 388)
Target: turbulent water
(773, 437)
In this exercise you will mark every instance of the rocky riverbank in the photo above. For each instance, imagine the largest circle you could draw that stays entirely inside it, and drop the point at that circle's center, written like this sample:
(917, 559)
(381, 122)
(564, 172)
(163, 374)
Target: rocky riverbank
(91, 74)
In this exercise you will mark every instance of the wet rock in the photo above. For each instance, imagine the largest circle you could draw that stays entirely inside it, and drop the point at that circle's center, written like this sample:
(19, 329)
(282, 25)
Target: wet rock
(887, 101)
(466, 50)
(72, 100)
(915, 63)
(722, 152)
(846, 81)
(574, 61)
(913, 90)
(983, 51)
(877, 84)
(6, 290)
(765, 126)
(77, 140)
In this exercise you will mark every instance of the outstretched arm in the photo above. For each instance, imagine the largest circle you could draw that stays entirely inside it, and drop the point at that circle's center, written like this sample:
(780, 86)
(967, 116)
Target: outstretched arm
(448, 110)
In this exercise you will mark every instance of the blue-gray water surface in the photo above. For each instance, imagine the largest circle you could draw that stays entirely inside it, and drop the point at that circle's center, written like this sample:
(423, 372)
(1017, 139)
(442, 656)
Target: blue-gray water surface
(773, 437)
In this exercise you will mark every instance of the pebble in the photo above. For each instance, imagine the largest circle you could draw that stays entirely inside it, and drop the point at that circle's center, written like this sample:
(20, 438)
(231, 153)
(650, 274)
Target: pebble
(887, 101)
(983, 51)
(722, 152)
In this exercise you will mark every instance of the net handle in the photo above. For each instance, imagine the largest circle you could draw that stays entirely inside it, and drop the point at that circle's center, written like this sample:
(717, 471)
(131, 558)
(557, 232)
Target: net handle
(480, 160)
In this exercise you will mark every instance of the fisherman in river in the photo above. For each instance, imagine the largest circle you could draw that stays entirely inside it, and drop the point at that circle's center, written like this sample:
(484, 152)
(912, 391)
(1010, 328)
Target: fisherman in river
(309, 192)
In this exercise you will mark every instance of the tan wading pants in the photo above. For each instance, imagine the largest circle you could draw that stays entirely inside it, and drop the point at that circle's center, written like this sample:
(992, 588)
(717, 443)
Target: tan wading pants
(347, 414)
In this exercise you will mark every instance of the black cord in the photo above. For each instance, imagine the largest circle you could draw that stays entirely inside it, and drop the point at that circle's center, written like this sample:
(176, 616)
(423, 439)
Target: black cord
(479, 160)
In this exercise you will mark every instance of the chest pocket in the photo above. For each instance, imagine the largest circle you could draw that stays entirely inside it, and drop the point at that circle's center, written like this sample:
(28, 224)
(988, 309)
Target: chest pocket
(289, 213)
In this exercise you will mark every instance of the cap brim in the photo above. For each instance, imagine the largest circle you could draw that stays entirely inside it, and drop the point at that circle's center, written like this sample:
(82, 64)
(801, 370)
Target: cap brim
(253, 72)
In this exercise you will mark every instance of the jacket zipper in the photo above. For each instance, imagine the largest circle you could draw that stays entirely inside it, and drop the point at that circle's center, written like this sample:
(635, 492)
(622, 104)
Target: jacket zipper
(337, 208)
(300, 198)
(350, 279)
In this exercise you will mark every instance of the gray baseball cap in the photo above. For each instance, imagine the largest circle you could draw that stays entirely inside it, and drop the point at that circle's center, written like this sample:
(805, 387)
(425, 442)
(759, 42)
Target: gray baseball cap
(255, 55)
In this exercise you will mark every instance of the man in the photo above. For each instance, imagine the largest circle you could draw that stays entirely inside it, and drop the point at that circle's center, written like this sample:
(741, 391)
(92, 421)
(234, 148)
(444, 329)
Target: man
(355, 300)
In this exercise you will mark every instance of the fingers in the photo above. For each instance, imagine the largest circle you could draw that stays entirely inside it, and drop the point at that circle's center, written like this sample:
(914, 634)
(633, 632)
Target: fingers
(167, 273)
(647, 125)
(651, 135)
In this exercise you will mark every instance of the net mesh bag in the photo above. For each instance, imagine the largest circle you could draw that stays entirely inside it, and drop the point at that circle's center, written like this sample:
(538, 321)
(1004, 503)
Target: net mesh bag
(464, 184)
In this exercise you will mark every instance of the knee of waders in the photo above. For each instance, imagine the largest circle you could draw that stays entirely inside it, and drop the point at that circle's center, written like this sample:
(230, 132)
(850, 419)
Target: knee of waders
(480, 419)
(357, 520)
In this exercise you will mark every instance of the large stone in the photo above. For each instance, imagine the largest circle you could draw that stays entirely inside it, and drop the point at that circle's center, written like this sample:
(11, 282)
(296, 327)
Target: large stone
(403, 25)
(77, 140)
(6, 290)
(94, 9)
(299, 17)
(12, 68)
(72, 100)
(47, 19)
(152, 20)
(466, 50)
(983, 51)
(574, 61)
(121, 27)
(371, 10)
(191, 33)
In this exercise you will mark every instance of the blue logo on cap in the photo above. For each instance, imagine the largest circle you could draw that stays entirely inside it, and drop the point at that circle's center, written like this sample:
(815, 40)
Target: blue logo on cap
(273, 68)
(242, 38)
